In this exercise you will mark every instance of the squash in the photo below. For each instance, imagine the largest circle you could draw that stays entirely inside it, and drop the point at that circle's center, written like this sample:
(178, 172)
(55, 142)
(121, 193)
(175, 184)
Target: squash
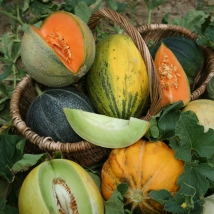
(60, 52)
(173, 79)
(45, 115)
(204, 110)
(188, 53)
(144, 166)
(117, 82)
(59, 186)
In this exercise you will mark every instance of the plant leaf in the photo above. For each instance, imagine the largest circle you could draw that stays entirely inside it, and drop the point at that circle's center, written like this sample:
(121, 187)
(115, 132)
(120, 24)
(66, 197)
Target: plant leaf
(152, 4)
(194, 178)
(191, 19)
(27, 161)
(11, 150)
(115, 202)
(161, 196)
(163, 125)
(190, 137)
(83, 11)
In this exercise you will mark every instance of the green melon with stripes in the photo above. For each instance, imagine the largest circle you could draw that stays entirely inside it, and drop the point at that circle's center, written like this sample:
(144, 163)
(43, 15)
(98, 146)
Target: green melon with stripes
(117, 82)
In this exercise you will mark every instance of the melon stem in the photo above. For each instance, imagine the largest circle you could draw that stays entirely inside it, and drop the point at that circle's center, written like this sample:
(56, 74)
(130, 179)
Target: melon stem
(38, 89)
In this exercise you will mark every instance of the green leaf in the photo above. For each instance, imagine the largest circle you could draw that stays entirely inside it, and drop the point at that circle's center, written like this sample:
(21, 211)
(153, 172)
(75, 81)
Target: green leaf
(163, 125)
(27, 161)
(206, 35)
(11, 151)
(6, 44)
(194, 179)
(40, 8)
(7, 72)
(190, 137)
(83, 11)
(161, 196)
(152, 4)
(191, 19)
(2, 205)
(25, 6)
(115, 202)
(5, 187)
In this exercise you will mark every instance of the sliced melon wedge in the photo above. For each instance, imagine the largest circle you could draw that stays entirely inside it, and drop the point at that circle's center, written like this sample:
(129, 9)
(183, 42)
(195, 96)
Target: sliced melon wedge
(106, 131)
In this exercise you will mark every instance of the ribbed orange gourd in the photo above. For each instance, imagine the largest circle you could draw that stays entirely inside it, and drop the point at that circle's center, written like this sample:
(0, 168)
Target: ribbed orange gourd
(173, 79)
(144, 166)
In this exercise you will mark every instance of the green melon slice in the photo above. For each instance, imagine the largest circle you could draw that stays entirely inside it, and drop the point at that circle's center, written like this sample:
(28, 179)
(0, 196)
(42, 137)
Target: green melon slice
(105, 131)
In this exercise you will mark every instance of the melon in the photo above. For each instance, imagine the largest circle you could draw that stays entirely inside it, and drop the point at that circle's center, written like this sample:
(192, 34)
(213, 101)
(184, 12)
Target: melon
(117, 82)
(59, 186)
(173, 79)
(188, 53)
(106, 131)
(204, 110)
(45, 115)
(60, 52)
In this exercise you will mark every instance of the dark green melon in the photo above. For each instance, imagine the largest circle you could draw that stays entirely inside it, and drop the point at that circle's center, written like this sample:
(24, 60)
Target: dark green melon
(188, 53)
(45, 115)
(210, 89)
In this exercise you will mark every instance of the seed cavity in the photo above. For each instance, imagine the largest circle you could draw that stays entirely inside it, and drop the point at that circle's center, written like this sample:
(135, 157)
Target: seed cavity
(168, 73)
(60, 46)
(65, 200)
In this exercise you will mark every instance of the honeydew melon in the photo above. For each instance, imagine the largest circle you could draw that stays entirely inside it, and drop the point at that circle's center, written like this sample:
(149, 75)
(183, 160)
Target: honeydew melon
(59, 186)
(105, 131)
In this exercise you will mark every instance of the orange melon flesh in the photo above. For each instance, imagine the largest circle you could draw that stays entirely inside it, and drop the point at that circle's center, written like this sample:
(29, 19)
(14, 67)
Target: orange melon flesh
(173, 79)
(63, 33)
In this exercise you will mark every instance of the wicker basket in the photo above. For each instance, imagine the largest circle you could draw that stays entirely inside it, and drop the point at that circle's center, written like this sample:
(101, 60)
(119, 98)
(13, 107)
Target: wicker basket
(84, 153)
(156, 32)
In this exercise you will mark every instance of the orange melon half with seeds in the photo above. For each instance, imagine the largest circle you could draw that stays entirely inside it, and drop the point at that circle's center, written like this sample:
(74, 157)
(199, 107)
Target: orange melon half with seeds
(173, 79)
(60, 52)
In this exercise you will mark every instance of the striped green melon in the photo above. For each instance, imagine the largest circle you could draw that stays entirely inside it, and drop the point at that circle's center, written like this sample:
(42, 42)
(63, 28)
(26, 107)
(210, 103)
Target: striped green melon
(117, 82)
(60, 52)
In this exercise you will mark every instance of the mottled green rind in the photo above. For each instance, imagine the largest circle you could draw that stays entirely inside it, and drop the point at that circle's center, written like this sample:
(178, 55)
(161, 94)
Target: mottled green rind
(188, 53)
(45, 115)
(36, 194)
(117, 85)
(106, 131)
(43, 64)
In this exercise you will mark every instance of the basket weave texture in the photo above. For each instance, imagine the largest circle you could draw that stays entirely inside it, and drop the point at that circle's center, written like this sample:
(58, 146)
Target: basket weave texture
(83, 152)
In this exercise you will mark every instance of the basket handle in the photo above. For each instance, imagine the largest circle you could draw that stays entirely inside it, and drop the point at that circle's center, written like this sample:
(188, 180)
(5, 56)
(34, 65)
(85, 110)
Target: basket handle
(155, 90)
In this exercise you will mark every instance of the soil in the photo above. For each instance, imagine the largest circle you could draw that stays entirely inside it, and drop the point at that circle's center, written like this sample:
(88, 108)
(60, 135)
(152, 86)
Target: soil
(140, 17)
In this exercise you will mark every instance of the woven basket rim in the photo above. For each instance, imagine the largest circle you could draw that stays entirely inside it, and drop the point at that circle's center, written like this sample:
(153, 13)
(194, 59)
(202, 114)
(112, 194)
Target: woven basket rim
(44, 143)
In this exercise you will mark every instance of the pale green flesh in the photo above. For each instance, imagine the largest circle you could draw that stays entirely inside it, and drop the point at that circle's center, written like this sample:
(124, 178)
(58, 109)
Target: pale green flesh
(54, 169)
(106, 131)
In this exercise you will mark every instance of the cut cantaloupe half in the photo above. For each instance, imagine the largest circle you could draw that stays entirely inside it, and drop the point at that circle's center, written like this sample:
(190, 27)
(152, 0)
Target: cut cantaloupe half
(64, 34)
(173, 79)
(60, 52)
